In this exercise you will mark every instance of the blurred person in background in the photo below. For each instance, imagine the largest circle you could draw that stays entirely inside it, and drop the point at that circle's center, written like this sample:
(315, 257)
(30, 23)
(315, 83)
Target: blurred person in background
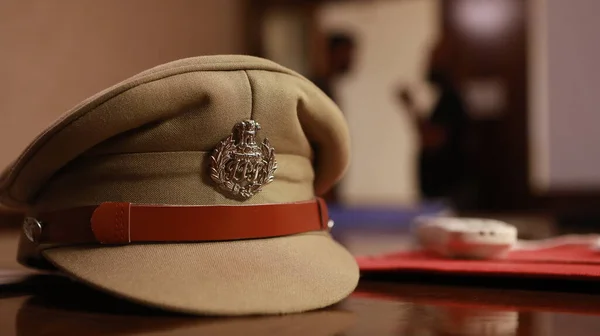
(339, 60)
(444, 154)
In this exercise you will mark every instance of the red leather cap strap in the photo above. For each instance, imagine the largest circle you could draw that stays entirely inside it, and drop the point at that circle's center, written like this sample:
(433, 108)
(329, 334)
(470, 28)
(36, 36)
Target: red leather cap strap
(123, 223)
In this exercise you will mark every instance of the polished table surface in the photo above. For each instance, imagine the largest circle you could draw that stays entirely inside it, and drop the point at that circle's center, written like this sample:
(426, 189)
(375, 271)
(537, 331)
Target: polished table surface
(47, 304)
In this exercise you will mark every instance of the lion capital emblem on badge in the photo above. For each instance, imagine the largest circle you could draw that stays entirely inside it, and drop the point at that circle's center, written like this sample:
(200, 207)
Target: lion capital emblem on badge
(239, 165)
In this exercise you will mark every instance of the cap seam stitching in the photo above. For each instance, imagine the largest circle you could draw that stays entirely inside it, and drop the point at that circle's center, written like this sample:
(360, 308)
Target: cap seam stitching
(251, 95)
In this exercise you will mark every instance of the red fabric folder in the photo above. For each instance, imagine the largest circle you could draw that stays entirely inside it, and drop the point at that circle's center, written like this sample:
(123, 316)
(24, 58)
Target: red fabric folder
(569, 261)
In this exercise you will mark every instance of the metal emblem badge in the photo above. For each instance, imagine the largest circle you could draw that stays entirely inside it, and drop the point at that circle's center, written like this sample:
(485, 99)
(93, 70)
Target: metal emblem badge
(239, 165)
(32, 229)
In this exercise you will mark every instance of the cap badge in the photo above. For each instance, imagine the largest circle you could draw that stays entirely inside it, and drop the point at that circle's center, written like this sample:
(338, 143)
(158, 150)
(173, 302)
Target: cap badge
(239, 166)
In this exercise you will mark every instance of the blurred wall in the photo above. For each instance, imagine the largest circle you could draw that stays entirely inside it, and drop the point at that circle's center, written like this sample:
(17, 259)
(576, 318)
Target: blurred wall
(54, 54)
(394, 38)
(285, 34)
(564, 54)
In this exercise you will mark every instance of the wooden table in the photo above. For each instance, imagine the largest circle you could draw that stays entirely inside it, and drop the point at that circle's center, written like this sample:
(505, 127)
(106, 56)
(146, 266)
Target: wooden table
(403, 305)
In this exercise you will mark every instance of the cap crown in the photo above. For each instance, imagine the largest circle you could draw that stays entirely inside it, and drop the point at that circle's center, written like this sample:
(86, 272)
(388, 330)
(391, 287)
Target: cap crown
(149, 138)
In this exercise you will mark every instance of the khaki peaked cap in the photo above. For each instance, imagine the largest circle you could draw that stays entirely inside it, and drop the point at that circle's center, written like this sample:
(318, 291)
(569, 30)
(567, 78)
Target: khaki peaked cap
(148, 140)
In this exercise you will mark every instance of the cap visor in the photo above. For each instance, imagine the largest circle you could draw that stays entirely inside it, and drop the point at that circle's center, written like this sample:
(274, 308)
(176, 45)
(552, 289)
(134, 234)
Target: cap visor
(248, 277)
